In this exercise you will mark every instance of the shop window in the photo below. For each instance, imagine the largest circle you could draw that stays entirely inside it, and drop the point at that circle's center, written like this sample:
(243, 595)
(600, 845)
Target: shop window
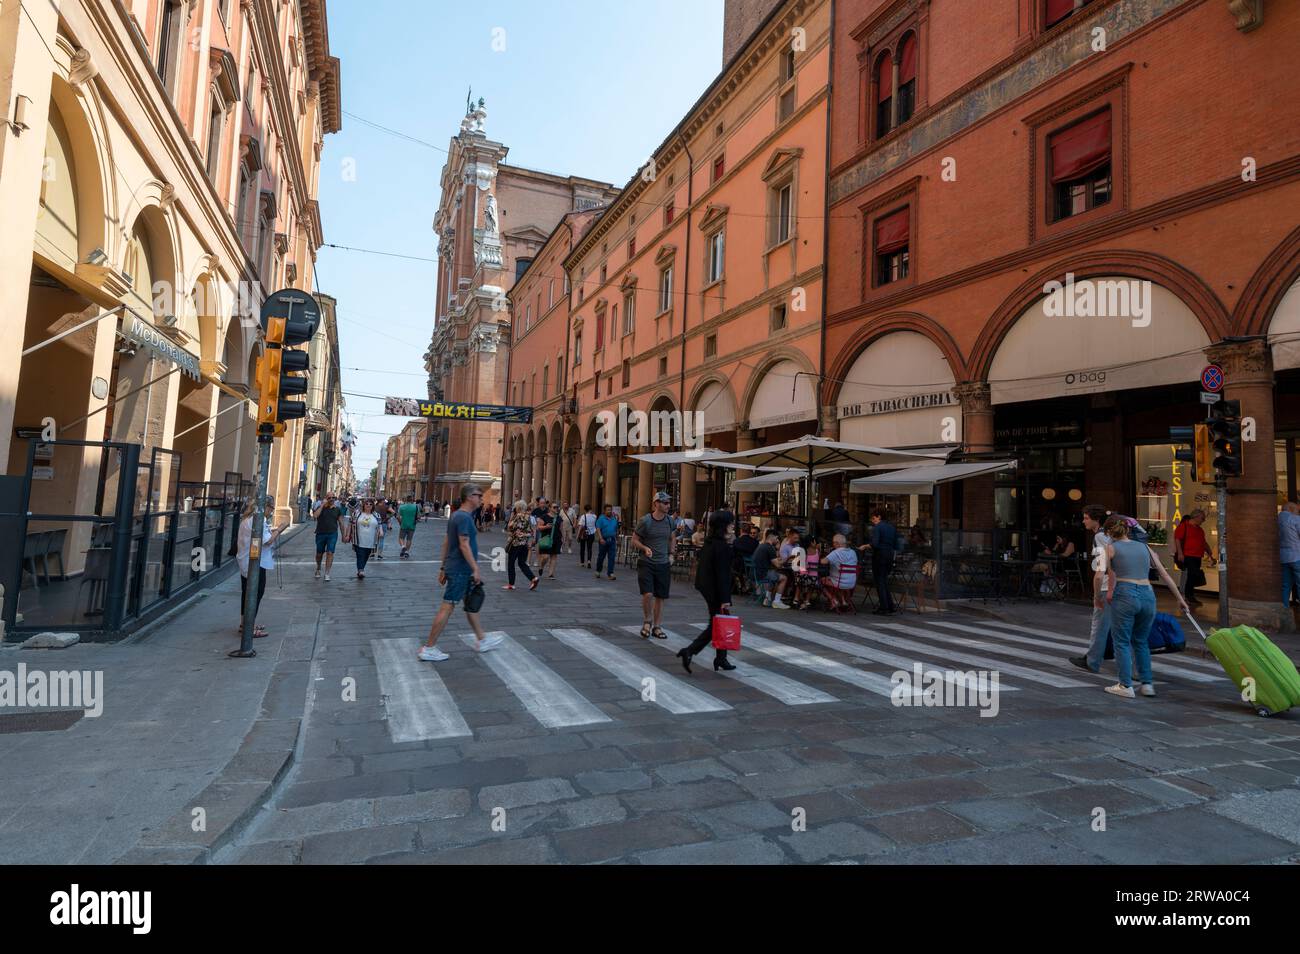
(1079, 158)
(710, 347)
(892, 247)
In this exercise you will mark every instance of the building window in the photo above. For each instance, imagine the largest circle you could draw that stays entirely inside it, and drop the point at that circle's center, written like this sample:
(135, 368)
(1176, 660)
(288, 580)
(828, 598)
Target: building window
(216, 126)
(1054, 11)
(719, 167)
(631, 248)
(891, 247)
(546, 381)
(613, 323)
(665, 289)
(559, 374)
(609, 385)
(577, 349)
(600, 332)
(787, 65)
(521, 266)
(785, 105)
(629, 312)
(169, 43)
(781, 199)
(884, 94)
(710, 347)
(550, 293)
(1079, 159)
(627, 373)
(663, 366)
(715, 251)
(668, 212)
(778, 317)
(785, 87)
(907, 79)
(528, 317)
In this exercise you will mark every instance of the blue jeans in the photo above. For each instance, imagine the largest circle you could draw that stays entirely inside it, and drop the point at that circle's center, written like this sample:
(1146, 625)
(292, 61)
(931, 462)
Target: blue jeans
(1290, 581)
(1100, 631)
(1132, 612)
(606, 552)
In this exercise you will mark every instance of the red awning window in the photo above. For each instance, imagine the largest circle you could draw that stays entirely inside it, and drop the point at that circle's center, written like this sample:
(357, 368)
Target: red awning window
(907, 63)
(891, 232)
(884, 79)
(1058, 10)
(1081, 149)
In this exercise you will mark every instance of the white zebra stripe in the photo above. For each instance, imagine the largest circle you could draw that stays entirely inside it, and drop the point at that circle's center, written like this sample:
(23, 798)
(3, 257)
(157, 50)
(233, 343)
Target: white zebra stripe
(787, 690)
(669, 692)
(870, 681)
(418, 703)
(548, 698)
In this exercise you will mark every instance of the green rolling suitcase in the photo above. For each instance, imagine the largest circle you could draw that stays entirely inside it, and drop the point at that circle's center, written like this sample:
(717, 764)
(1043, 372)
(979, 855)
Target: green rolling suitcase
(1247, 654)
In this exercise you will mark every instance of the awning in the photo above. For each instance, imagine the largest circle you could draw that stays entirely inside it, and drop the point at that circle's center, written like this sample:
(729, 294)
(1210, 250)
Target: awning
(772, 480)
(923, 480)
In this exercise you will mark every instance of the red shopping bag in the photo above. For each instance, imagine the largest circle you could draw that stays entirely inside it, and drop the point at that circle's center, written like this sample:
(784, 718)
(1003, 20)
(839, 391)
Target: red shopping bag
(726, 632)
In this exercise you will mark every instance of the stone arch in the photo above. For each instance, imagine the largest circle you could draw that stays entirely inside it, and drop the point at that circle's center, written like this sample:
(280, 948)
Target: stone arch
(878, 328)
(204, 307)
(770, 361)
(1189, 289)
(152, 236)
(82, 116)
(1274, 278)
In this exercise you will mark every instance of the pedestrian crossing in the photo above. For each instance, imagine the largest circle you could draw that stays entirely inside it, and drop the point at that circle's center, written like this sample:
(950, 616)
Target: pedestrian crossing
(793, 661)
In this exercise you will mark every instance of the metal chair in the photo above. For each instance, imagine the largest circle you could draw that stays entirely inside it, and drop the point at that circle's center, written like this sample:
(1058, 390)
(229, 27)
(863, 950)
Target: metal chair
(54, 548)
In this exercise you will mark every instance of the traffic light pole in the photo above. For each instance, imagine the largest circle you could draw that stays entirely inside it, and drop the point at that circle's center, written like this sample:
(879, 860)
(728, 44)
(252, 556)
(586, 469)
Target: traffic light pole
(1221, 487)
(246, 649)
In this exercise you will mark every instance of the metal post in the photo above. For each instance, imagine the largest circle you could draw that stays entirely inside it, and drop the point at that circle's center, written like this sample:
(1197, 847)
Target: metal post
(115, 590)
(255, 549)
(938, 549)
(1221, 487)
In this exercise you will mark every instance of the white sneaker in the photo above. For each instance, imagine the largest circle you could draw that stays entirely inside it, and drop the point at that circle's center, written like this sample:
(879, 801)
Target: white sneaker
(777, 604)
(327, 577)
(432, 654)
(1121, 690)
(489, 643)
(1148, 689)
(318, 573)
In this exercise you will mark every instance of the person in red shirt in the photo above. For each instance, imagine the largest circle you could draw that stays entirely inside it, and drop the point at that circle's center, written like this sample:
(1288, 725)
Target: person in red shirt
(1190, 548)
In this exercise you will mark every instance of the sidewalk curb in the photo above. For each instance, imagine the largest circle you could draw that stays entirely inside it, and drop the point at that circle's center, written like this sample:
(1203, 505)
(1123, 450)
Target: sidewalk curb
(232, 800)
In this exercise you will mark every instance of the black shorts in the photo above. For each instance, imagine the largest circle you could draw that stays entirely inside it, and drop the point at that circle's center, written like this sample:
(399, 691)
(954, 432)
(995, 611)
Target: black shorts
(653, 578)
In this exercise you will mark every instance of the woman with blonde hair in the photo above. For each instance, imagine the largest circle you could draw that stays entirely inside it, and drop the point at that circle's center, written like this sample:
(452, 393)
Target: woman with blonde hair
(519, 537)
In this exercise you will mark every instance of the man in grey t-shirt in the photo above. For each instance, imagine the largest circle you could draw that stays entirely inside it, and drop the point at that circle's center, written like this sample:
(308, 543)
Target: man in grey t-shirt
(653, 537)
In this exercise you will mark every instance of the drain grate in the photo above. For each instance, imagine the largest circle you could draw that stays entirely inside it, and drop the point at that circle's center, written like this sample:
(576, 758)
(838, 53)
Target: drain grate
(47, 720)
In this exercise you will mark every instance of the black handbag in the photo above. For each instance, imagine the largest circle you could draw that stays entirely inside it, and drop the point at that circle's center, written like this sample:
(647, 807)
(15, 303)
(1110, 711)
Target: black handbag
(474, 597)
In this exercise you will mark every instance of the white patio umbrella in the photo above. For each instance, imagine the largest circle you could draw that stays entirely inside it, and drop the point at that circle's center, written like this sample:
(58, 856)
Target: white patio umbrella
(810, 454)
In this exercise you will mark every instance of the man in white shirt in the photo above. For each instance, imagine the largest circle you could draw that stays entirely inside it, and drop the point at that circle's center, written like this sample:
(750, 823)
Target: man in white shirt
(1093, 518)
(266, 561)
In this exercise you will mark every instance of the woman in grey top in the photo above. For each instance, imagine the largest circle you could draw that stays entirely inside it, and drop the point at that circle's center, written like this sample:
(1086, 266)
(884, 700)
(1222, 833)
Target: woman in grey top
(1132, 606)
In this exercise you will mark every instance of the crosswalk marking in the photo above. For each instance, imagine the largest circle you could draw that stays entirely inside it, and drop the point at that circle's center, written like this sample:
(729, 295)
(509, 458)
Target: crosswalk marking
(787, 690)
(911, 645)
(857, 650)
(870, 681)
(418, 703)
(1067, 644)
(1189, 657)
(669, 692)
(548, 698)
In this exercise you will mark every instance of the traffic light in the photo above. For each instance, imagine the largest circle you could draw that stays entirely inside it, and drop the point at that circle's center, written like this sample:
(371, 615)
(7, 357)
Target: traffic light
(1225, 433)
(1197, 454)
(282, 372)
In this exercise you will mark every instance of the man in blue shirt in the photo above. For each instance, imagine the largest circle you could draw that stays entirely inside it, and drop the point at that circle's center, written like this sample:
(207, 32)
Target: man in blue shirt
(884, 542)
(606, 539)
(1288, 540)
(458, 571)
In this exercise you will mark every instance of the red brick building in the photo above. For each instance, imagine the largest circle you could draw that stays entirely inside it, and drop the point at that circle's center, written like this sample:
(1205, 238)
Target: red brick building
(1141, 153)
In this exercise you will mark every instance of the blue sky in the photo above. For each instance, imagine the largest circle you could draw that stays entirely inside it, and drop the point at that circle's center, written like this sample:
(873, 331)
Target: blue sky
(581, 87)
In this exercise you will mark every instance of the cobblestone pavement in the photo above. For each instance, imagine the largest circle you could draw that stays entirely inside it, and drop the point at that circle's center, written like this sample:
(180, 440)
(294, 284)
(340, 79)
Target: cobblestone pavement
(554, 748)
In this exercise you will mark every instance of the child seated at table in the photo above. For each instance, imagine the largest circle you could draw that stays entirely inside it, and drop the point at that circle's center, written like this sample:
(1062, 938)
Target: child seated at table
(806, 583)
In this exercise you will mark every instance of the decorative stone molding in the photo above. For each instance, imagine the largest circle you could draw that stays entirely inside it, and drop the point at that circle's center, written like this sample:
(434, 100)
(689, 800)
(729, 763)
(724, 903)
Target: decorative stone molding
(281, 242)
(104, 277)
(83, 69)
(485, 339)
(1249, 13)
(976, 397)
(1244, 362)
(167, 199)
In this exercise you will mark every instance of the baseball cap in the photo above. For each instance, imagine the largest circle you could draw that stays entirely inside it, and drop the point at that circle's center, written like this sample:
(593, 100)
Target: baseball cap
(662, 497)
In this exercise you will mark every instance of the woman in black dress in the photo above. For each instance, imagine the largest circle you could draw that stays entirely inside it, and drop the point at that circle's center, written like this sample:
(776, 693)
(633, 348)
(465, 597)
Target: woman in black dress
(713, 580)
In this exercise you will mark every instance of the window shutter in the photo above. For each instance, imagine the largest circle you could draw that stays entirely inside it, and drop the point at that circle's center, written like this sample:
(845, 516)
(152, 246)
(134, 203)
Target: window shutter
(1081, 149)
(892, 232)
(1058, 10)
(884, 79)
